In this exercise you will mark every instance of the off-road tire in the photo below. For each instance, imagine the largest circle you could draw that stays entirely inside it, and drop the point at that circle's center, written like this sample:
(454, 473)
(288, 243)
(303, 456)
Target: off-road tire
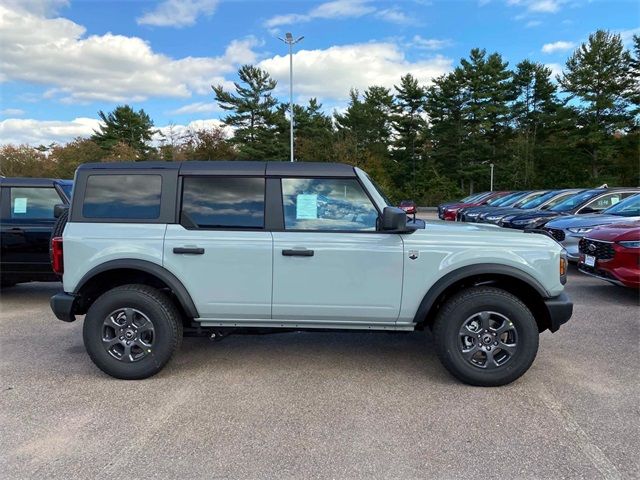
(453, 315)
(157, 306)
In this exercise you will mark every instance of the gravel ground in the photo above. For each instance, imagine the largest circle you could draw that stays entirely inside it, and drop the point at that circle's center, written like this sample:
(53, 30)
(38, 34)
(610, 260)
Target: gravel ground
(321, 405)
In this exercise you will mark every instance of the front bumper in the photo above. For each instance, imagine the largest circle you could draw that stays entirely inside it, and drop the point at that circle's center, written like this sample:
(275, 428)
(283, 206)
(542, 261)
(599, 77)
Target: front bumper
(62, 305)
(560, 309)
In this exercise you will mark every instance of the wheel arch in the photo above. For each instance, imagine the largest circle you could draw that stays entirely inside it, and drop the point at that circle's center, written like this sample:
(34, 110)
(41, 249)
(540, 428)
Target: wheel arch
(123, 271)
(515, 281)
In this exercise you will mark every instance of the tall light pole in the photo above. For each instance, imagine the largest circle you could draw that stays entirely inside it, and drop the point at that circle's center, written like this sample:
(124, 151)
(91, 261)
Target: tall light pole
(491, 165)
(288, 39)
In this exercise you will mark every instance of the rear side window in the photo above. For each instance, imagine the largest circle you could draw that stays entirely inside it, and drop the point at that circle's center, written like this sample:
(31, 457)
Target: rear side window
(33, 203)
(122, 197)
(223, 202)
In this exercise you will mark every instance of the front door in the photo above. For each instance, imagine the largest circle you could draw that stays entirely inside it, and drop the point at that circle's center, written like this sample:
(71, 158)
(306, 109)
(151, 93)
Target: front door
(220, 250)
(330, 266)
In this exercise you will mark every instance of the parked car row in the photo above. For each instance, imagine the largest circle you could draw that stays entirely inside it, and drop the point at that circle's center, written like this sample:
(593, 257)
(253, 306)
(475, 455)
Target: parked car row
(572, 218)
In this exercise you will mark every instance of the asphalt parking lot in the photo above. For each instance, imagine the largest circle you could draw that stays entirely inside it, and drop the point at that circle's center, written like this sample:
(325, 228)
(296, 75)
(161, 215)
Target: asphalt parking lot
(321, 405)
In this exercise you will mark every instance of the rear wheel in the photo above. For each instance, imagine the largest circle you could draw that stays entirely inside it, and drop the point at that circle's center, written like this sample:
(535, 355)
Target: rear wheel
(486, 336)
(132, 331)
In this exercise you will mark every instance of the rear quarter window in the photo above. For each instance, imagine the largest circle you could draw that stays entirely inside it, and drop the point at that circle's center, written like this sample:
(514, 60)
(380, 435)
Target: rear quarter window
(122, 197)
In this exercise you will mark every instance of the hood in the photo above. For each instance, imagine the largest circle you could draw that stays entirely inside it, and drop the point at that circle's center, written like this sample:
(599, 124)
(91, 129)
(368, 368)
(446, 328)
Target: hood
(617, 232)
(587, 220)
(535, 214)
(459, 227)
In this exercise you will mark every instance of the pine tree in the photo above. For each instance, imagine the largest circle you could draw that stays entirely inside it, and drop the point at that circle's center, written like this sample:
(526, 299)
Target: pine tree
(127, 127)
(409, 124)
(597, 75)
(255, 118)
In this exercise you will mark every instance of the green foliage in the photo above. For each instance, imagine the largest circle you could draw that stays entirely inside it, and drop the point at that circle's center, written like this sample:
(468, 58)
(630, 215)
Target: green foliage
(257, 121)
(128, 127)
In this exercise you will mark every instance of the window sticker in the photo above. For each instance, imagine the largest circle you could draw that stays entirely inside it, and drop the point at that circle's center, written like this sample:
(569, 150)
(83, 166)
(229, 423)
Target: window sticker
(306, 207)
(20, 205)
(614, 200)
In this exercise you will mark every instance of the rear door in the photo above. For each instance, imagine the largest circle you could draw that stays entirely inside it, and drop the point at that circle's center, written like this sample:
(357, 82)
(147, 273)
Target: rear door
(26, 229)
(220, 250)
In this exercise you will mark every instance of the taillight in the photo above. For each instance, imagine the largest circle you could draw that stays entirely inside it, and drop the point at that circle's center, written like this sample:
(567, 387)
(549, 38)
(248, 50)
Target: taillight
(57, 257)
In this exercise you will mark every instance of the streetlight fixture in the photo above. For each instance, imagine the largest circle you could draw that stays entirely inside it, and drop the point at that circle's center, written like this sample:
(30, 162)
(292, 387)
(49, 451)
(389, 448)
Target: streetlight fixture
(288, 39)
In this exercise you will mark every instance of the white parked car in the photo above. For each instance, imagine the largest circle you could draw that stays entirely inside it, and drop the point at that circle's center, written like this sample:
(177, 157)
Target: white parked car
(155, 250)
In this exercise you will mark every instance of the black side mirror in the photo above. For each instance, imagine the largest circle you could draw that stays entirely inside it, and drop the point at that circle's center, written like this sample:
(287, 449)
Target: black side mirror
(394, 220)
(58, 209)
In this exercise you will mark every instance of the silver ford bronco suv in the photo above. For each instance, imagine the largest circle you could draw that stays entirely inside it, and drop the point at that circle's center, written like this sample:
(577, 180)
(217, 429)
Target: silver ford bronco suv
(154, 251)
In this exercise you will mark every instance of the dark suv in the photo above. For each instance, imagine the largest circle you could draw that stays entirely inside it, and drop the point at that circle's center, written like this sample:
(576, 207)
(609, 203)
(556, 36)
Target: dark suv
(27, 213)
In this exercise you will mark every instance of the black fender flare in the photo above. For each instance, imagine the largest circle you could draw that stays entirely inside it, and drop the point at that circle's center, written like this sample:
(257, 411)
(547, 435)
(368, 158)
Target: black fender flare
(151, 268)
(470, 271)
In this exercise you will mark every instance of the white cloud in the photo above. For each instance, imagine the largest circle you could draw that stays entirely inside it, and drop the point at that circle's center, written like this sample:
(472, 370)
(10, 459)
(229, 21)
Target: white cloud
(429, 43)
(198, 107)
(11, 112)
(559, 46)
(556, 69)
(330, 73)
(395, 15)
(79, 68)
(38, 7)
(178, 13)
(43, 132)
(538, 6)
(533, 23)
(340, 9)
(627, 35)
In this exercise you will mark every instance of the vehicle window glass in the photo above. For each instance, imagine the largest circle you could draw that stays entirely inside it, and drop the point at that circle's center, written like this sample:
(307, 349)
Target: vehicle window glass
(67, 188)
(326, 204)
(605, 202)
(629, 207)
(379, 190)
(572, 202)
(527, 198)
(223, 202)
(559, 199)
(536, 202)
(33, 203)
(122, 196)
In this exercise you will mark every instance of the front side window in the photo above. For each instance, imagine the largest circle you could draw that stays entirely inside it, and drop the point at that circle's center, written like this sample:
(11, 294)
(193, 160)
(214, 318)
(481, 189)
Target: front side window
(122, 197)
(33, 203)
(327, 204)
(223, 202)
(605, 202)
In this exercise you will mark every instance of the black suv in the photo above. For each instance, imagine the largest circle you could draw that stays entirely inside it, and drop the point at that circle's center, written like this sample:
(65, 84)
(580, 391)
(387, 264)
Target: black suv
(27, 218)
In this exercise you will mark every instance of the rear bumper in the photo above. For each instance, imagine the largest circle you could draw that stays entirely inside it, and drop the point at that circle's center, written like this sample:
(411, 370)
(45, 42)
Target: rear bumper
(62, 305)
(560, 309)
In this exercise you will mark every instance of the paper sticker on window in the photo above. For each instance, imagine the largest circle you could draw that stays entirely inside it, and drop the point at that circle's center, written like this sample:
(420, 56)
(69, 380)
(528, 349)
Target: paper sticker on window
(20, 205)
(306, 207)
(614, 200)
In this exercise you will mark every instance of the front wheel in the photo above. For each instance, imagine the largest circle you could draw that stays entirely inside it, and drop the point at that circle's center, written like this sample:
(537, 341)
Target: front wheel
(132, 331)
(486, 336)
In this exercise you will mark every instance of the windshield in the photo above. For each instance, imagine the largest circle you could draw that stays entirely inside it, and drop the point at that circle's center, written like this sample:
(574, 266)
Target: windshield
(506, 199)
(573, 202)
(536, 202)
(380, 192)
(512, 201)
(527, 198)
(495, 200)
(626, 208)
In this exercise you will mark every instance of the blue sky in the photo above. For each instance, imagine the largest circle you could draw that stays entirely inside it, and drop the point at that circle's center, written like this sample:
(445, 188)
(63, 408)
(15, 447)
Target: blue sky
(63, 60)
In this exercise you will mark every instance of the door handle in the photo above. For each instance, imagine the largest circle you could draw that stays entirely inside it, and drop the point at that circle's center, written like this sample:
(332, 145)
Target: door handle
(297, 253)
(188, 250)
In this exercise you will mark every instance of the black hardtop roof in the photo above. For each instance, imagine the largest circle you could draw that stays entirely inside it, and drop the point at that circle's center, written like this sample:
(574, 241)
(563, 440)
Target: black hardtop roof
(219, 167)
(31, 182)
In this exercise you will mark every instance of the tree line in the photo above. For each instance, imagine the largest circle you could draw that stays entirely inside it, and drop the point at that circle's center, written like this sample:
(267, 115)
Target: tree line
(428, 143)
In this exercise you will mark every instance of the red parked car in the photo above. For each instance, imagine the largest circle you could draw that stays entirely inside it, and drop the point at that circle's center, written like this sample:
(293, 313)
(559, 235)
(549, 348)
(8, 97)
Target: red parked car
(612, 253)
(450, 212)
